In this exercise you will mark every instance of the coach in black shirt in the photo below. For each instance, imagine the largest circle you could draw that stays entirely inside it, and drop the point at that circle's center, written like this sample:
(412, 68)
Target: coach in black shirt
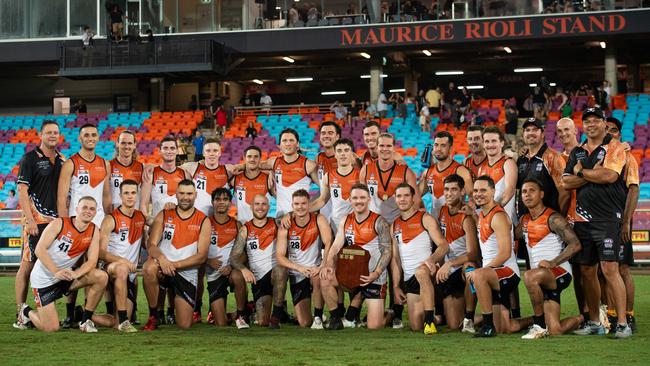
(38, 179)
(595, 171)
(543, 164)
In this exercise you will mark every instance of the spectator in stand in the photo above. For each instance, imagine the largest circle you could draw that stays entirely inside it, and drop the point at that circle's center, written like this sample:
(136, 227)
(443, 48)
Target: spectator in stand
(340, 112)
(566, 110)
(450, 97)
(600, 97)
(528, 106)
(198, 142)
(353, 111)
(408, 100)
(246, 100)
(313, 13)
(560, 98)
(512, 122)
(251, 131)
(382, 105)
(11, 203)
(539, 102)
(265, 101)
(419, 100)
(352, 9)
(371, 110)
(117, 24)
(607, 90)
(193, 105)
(294, 15)
(582, 91)
(396, 100)
(476, 120)
(80, 107)
(221, 120)
(433, 98)
(463, 104)
(425, 119)
(87, 46)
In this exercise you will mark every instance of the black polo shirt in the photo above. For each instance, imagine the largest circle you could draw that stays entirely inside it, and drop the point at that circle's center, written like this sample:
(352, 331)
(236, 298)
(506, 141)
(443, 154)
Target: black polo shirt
(600, 202)
(547, 167)
(41, 176)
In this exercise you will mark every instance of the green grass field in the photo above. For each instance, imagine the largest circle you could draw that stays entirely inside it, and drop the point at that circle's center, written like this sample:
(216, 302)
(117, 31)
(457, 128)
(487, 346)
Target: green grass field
(208, 345)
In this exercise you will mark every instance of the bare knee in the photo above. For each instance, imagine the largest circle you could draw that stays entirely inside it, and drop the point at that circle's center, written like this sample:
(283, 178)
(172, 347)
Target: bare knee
(150, 269)
(609, 269)
(99, 277)
(50, 328)
(121, 271)
(422, 273)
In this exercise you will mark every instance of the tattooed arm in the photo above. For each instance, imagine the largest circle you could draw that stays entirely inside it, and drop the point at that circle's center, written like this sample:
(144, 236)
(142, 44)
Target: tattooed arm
(238, 253)
(385, 248)
(561, 227)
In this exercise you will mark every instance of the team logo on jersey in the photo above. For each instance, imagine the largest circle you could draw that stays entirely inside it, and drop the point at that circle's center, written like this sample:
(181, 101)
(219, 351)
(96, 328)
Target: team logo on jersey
(601, 155)
(608, 243)
(539, 167)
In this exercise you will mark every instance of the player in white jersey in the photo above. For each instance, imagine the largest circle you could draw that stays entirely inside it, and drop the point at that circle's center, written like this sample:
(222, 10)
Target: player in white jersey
(251, 182)
(499, 275)
(328, 133)
(125, 166)
(337, 183)
(63, 242)
(256, 243)
(546, 233)
(218, 269)
(84, 174)
(208, 175)
(159, 183)
(413, 234)
(120, 242)
(178, 244)
(299, 250)
(501, 169)
(292, 171)
(460, 232)
(371, 232)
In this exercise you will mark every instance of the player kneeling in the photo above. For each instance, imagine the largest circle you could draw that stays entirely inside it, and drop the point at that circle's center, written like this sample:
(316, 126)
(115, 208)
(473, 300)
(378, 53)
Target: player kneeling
(256, 242)
(218, 269)
(460, 232)
(371, 232)
(299, 250)
(62, 244)
(545, 232)
(120, 240)
(413, 234)
(178, 245)
(499, 275)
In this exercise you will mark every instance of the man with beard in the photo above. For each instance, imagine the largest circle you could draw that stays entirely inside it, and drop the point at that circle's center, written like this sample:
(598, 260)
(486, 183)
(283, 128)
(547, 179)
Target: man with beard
(478, 156)
(250, 183)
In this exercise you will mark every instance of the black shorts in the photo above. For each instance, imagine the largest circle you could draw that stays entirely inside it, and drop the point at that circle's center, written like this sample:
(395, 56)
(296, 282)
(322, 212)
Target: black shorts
(508, 282)
(218, 289)
(372, 291)
(183, 288)
(411, 286)
(263, 287)
(454, 286)
(562, 281)
(300, 290)
(626, 254)
(49, 294)
(29, 248)
(600, 242)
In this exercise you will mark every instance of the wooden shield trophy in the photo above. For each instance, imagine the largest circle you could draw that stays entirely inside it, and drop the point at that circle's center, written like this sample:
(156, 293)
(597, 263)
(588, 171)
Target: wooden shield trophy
(351, 265)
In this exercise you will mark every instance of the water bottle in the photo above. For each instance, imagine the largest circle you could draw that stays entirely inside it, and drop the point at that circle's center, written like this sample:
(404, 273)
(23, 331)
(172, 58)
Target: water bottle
(471, 285)
(426, 156)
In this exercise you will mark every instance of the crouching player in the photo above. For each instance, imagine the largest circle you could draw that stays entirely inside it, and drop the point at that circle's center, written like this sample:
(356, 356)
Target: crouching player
(178, 245)
(299, 251)
(218, 269)
(499, 275)
(460, 232)
(413, 233)
(120, 240)
(545, 232)
(62, 244)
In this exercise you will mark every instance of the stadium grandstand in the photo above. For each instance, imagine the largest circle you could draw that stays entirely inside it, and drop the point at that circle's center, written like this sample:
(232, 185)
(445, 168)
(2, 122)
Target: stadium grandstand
(243, 73)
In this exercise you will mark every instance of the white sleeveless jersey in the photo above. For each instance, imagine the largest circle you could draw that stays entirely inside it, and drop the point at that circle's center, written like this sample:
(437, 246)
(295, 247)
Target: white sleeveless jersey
(222, 239)
(88, 178)
(304, 246)
(68, 246)
(260, 248)
(452, 228)
(245, 190)
(365, 235)
(120, 173)
(340, 187)
(541, 242)
(413, 241)
(206, 181)
(488, 240)
(289, 177)
(164, 187)
(498, 174)
(126, 239)
(180, 240)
